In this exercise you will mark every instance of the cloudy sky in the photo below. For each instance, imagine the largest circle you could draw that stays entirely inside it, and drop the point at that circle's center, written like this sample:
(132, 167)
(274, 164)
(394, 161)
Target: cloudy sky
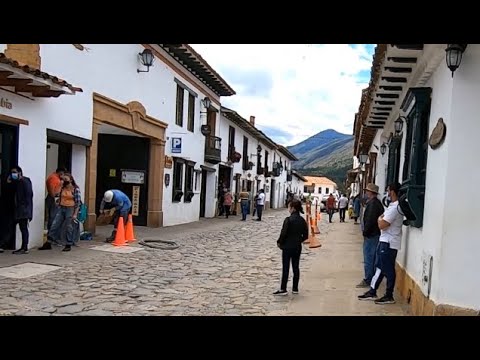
(294, 91)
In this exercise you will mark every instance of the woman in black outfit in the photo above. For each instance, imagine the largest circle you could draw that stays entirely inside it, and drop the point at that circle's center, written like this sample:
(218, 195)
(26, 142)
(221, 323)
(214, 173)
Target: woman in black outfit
(294, 233)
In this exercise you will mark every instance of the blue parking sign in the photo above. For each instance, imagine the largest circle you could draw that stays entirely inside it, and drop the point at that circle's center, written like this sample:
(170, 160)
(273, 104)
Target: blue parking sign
(176, 145)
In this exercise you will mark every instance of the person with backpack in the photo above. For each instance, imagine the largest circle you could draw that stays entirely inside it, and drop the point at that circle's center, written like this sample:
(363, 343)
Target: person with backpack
(69, 201)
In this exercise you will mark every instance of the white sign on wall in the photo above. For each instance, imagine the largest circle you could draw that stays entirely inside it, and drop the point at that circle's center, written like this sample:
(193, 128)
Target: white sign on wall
(133, 177)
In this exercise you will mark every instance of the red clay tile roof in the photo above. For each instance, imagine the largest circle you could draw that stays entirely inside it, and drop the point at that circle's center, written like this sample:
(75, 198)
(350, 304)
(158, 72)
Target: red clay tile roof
(32, 71)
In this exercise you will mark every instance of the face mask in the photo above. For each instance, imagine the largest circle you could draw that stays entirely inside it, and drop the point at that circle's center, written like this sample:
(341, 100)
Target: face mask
(15, 176)
(389, 198)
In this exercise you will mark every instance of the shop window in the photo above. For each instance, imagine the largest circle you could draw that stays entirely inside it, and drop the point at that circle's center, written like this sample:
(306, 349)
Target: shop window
(189, 182)
(179, 103)
(191, 113)
(177, 179)
(327, 190)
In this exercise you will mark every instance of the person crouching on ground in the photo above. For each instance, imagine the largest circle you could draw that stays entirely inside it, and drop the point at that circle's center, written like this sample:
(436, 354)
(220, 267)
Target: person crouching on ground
(122, 204)
(294, 233)
(69, 201)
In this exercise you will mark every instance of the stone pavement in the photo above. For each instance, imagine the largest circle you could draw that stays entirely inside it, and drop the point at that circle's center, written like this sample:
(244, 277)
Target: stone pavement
(328, 289)
(222, 267)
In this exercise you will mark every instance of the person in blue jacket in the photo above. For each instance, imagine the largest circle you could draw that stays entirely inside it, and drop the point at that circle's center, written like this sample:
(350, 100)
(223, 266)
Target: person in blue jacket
(116, 199)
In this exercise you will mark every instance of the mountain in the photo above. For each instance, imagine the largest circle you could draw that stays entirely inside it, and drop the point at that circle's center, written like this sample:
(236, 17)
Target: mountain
(328, 153)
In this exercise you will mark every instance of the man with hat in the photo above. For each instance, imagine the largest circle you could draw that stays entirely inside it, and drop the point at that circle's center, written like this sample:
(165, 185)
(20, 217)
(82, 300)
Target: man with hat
(371, 233)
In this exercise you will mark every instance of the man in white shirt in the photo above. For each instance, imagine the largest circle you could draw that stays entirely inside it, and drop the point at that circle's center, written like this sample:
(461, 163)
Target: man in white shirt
(390, 224)
(260, 204)
(342, 207)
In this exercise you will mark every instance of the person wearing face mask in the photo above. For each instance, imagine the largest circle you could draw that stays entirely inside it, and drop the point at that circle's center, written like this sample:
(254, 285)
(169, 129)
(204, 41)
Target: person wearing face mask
(20, 187)
(294, 233)
(69, 201)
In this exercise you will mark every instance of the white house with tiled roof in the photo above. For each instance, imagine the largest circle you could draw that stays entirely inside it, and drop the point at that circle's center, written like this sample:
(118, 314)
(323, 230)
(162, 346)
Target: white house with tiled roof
(145, 123)
(417, 124)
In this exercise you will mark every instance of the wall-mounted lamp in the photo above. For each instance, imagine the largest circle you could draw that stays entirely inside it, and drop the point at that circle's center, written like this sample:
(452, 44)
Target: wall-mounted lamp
(453, 55)
(146, 57)
(399, 124)
(205, 128)
(363, 158)
(259, 149)
(206, 102)
(383, 149)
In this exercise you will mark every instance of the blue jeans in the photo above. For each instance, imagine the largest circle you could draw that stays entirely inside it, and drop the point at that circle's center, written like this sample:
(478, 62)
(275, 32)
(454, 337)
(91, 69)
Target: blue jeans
(63, 216)
(244, 205)
(369, 249)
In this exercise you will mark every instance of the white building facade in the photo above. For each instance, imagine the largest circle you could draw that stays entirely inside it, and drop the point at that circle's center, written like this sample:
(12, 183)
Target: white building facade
(118, 130)
(252, 161)
(417, 124)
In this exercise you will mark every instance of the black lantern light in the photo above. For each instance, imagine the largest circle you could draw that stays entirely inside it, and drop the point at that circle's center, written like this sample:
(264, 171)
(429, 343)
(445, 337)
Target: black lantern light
(259, 149)
(146, 57)
(399, 125)
(383, 149)
(453, 56)
(363, 158)
(206, 102)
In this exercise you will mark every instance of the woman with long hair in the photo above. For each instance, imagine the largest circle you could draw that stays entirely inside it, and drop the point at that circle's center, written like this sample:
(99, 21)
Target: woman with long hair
(294, 233)
(69, 201)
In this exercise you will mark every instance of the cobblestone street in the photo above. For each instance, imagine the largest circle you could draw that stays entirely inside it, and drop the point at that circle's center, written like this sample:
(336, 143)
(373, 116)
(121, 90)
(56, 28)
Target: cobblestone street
(222, 267)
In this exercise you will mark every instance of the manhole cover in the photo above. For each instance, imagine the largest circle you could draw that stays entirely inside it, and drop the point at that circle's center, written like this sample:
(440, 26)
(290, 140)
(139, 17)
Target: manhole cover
(25, 270)
(117, 249)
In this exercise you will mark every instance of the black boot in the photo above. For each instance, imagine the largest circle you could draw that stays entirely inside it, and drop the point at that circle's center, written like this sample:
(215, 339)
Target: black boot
(67, 248)
(112, 237)
(46, 246)
(20, 251)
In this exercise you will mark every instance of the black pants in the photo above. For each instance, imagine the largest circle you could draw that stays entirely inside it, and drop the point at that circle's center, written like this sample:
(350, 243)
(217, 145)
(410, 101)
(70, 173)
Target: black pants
(227, 210)
(293, 256)
(341, 212)
(385, 267)
(330, 214)
(259, 212)
(23, 224)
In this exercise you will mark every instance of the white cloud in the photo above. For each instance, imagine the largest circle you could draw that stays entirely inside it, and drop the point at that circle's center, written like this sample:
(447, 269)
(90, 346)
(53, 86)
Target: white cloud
(313, 87)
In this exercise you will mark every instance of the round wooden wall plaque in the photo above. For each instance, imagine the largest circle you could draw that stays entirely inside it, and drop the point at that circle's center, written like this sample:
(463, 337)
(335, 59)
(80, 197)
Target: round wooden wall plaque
(438, 134)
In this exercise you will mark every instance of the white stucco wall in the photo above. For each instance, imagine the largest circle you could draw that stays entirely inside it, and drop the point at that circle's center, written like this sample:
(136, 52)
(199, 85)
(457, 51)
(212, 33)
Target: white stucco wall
(98, 70)
(420, 244)
(297, 185)
(447, 234)
(459, 265)
(32, 151)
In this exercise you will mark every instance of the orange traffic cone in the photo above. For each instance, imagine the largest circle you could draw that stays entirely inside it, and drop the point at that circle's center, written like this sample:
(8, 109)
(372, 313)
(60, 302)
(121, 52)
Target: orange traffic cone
(129, 233)
(120, 234)
(308, 223)
(315, 226)
(314, 243)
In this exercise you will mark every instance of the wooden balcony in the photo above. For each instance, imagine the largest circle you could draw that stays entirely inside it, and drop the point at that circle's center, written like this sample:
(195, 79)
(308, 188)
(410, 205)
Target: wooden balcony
(213, 149)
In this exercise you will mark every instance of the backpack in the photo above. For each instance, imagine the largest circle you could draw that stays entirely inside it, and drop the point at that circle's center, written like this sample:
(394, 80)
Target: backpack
(82, 213)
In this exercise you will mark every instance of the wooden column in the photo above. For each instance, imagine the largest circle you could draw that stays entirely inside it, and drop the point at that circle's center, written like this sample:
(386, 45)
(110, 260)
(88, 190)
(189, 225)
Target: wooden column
(91, 180)
(155, 183)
